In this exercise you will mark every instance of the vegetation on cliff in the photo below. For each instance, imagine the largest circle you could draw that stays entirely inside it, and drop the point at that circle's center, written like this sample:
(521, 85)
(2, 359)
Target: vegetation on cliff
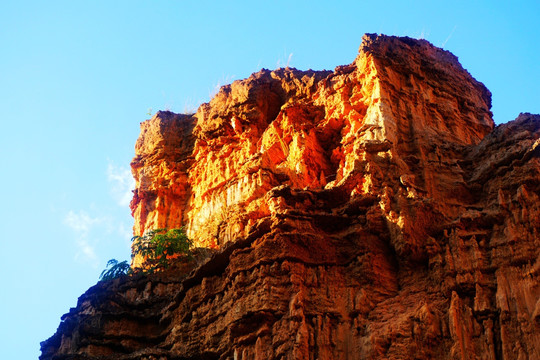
(159, 248)
(115, 269)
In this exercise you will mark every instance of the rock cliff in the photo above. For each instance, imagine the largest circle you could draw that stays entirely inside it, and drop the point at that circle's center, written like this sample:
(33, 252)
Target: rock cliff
(372, 212)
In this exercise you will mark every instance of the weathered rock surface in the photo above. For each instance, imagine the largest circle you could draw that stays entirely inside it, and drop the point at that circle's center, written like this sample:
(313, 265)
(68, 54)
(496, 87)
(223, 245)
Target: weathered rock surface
(373, 212)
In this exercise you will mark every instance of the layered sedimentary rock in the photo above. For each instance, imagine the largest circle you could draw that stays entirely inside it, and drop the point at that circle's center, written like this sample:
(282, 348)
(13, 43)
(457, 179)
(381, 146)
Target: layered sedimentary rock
(366, 213)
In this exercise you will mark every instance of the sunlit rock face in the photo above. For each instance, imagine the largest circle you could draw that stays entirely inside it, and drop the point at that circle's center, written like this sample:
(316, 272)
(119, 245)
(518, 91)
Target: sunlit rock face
(389, 124)
(254, 135)
(372, 212)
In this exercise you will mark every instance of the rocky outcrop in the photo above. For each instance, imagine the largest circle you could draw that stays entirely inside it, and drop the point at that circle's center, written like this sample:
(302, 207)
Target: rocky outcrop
(403, 100)
(366, 213)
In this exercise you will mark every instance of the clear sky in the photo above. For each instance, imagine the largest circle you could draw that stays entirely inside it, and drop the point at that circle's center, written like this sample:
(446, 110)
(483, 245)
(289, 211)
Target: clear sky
(77, 78)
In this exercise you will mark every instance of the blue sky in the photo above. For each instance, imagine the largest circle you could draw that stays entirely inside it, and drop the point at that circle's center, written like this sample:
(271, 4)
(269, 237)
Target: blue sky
(77, 78)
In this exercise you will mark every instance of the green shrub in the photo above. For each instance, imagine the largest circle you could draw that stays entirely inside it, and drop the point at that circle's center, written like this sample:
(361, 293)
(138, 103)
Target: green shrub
(160, 247)
(117, 269)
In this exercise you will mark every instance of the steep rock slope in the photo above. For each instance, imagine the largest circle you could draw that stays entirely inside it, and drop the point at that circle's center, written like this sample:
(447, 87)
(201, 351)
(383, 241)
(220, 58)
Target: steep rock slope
(370, 212)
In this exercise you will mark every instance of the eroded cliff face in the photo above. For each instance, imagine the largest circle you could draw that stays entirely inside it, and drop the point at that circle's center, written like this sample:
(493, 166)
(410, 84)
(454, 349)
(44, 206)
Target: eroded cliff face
(366, 213)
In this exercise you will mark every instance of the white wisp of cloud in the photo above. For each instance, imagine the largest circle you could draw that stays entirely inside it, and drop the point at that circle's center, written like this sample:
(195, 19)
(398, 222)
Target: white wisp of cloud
(122, 183)
(82, 223)
(449, 36)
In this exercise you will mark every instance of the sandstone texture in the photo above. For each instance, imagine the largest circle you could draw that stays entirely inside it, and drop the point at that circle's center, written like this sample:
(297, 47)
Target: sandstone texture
(372, 212)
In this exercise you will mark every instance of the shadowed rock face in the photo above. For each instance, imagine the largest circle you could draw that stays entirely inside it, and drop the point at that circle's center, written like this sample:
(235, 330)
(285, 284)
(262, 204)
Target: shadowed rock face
(367, 213)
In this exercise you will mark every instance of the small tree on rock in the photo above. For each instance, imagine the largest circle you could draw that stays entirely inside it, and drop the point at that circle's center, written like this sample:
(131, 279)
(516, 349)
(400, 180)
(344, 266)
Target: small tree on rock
(160, 246)
(116, 269)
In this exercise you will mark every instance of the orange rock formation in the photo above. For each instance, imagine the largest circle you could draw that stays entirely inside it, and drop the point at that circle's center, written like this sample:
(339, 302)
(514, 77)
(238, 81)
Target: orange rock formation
(372, 212)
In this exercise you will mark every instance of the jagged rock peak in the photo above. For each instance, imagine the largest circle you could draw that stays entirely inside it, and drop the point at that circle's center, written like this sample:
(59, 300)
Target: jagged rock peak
(400, 97)
(398, 50)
